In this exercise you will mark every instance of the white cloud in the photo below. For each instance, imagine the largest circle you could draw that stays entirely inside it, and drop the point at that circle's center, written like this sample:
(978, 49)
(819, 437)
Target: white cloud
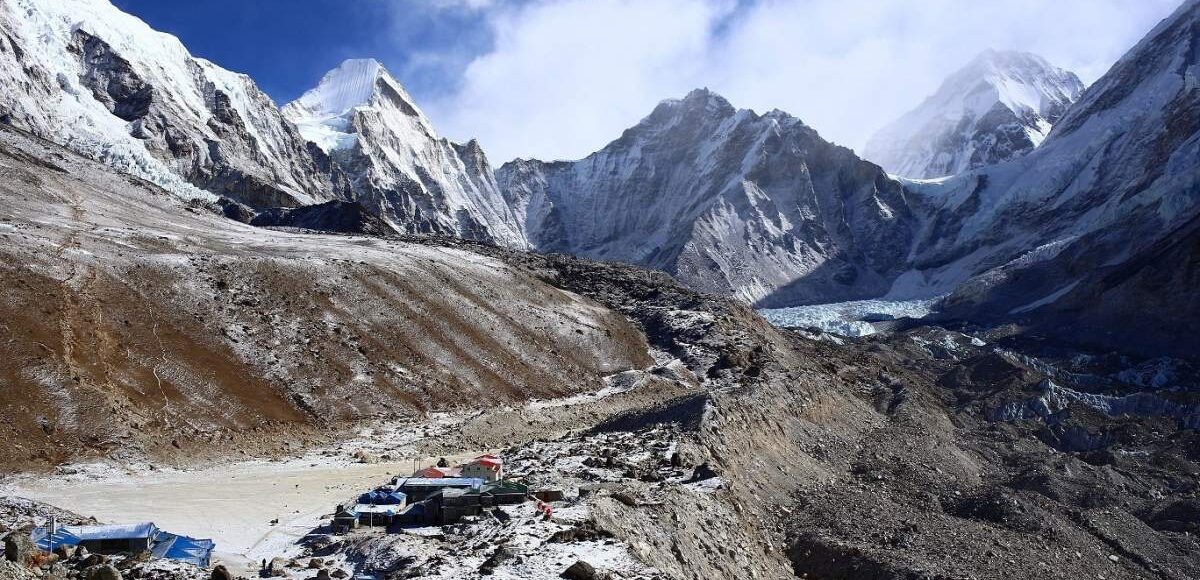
(565, 77)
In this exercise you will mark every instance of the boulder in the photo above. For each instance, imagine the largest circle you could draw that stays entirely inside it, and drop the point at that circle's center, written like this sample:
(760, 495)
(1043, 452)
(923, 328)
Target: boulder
(277, 567)
(580, 570)
(102, 572)
(339, 573)
(364, 457)
(316, 563)
(221, 573)
(322, 575)
(702, 472)
(65, 552)
(18, 547)
(501, 554)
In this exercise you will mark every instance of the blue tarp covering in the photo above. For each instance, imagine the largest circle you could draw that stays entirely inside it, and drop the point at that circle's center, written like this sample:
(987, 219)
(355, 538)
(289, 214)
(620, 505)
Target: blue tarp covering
(182, 548)
(62, 537)
(378, 497)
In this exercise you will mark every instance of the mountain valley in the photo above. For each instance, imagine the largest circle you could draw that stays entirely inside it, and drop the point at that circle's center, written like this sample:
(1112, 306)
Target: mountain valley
(981, 364)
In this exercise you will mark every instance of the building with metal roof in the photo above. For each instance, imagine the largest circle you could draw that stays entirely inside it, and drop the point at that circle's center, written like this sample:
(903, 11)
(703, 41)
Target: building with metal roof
(418, 488)
(127, 539)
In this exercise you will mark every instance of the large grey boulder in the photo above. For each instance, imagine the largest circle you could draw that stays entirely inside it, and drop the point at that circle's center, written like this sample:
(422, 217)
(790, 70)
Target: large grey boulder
(103, 572)
(580, 570)
(18, 547)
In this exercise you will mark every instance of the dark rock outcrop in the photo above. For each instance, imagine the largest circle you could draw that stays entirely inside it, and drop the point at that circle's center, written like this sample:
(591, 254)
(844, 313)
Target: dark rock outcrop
(335, 216)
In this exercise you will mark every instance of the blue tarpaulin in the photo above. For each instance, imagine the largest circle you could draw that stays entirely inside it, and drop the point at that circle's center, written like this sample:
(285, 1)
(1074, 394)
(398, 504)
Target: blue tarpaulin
(62, 537)
(184, 549)
(379, 497)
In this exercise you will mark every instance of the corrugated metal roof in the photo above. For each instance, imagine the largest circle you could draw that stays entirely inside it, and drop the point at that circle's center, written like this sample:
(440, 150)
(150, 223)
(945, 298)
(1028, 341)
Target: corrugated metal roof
(363, 508)
(440, 482)
(144, 530)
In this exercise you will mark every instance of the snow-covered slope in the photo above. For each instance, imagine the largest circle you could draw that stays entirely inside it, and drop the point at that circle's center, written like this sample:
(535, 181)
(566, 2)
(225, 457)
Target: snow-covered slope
(999, 106)
(85, 74)
(417, 181)
(728, 201)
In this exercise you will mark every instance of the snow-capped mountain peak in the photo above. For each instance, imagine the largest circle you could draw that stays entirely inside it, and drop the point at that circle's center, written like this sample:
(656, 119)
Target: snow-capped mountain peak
(85, 74)
(1021, 81)
(403, 170)
(349, 85)
(323, 113)
(999, 106)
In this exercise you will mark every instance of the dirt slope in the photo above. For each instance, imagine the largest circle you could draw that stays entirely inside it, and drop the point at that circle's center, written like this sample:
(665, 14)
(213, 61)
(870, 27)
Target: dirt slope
(133, 323)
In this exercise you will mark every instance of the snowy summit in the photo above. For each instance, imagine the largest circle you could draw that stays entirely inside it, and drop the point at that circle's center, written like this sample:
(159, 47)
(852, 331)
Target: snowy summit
(1000, 106)
(323, 113)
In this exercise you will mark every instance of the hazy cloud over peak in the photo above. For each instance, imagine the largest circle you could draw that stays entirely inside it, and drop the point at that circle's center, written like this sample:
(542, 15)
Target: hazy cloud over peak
(559, 79)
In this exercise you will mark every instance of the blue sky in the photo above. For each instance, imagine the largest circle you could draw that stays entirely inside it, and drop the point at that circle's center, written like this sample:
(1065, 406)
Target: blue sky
(286, 45)
(558, 79)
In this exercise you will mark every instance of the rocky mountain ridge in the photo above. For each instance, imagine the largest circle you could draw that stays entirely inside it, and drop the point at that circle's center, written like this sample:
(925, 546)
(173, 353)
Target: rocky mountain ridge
(1110, 200)
(100, 81)
(402, 170)
(727, 201)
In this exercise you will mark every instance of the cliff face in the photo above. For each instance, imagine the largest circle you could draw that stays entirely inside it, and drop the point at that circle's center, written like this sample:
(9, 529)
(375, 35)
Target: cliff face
(103, 83)
(1109, 201)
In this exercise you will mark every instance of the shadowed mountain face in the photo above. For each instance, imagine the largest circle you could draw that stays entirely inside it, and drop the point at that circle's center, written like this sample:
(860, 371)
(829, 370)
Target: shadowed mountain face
(728, 201)
(334, 216)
